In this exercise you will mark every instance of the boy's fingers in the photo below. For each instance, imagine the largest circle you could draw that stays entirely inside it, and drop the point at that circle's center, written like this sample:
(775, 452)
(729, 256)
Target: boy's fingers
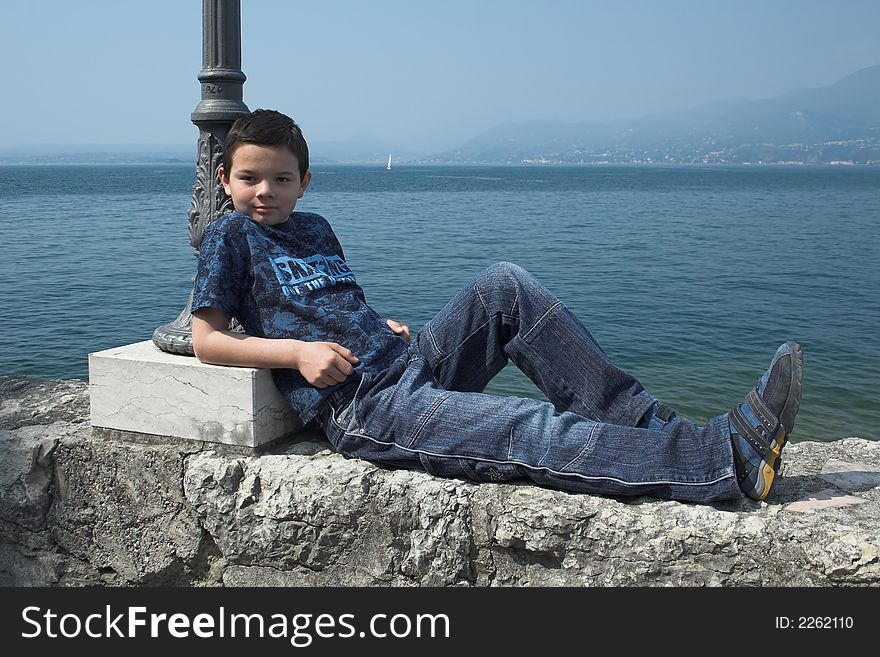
(342, 367)
(345, 353)
(336, 377)
(330, 378)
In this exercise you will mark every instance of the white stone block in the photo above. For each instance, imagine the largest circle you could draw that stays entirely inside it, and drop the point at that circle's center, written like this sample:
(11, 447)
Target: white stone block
(140, 388)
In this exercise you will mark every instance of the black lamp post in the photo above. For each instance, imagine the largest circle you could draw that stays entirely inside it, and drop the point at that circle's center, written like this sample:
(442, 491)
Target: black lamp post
(222, 80)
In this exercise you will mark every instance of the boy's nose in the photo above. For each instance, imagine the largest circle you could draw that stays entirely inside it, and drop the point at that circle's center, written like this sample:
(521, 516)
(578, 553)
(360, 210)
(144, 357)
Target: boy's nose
(264, 189)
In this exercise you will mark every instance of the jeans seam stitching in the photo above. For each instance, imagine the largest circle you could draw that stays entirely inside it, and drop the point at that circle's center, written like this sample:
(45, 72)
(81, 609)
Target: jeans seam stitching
(458, 346)
(525, 336)
(436, 405)
(546, 452)
(354, 402)
(482, 301)
(727, 475)
(434, 344)
(588, 445)
(466, 467)
(333, 414)
(333, 418)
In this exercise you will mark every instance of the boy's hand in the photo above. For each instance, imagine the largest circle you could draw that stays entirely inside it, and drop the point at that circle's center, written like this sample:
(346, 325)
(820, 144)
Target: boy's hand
(399, 329)
(325, 363)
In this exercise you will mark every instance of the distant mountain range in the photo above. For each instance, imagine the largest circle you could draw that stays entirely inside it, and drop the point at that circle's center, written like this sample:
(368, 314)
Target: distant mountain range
(836, 124)
(839, 123)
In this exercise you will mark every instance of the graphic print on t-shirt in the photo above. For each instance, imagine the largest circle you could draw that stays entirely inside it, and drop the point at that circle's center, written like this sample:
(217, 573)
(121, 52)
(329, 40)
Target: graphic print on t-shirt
(300, 275)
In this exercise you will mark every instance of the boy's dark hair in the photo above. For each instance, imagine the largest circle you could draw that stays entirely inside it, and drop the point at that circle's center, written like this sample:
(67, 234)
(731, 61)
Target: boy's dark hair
(266, 128)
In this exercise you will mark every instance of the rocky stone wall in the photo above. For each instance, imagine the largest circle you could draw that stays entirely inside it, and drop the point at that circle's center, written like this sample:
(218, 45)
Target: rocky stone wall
(78, 508)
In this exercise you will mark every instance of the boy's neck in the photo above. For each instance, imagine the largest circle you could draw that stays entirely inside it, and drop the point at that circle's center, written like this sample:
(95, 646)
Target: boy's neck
(280, 223)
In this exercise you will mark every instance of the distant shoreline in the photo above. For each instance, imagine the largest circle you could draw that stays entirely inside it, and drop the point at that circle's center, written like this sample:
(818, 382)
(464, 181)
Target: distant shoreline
(536, 165)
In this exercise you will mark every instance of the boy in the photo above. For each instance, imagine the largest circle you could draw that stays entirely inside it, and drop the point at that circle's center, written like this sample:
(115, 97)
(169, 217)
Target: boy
(418, 403)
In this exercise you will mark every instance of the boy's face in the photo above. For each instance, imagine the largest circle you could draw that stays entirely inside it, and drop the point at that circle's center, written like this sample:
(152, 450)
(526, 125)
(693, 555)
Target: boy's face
(264, 182)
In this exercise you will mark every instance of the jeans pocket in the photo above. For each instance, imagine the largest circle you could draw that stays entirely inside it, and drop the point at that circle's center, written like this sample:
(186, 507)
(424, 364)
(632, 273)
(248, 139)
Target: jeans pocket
(343, 418)
(345, 415)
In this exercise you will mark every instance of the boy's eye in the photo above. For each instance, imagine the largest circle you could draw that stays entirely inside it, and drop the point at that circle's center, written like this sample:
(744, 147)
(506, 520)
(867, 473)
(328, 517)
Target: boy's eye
(284, 180)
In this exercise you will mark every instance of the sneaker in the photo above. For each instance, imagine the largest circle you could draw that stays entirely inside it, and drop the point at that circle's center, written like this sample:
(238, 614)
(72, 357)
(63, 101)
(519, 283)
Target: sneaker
(761, 425)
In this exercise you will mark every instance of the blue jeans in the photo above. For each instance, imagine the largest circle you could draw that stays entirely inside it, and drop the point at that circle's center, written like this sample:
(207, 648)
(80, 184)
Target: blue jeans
(427, 410)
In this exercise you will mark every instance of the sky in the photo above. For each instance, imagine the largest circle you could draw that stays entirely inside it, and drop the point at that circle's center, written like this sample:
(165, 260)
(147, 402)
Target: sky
(419, 75)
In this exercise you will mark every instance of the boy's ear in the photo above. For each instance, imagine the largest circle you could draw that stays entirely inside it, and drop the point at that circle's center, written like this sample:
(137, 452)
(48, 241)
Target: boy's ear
(224, 180)
(304, 182)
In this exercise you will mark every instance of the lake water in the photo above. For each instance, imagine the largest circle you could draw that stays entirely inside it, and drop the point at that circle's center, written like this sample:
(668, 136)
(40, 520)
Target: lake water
(689, 277)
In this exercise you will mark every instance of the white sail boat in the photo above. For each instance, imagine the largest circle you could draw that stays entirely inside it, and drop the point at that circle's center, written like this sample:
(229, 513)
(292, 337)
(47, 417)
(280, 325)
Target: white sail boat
(388, 166)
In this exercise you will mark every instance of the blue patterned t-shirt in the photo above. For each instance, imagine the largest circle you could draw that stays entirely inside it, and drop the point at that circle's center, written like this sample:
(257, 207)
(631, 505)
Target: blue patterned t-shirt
(291, 281)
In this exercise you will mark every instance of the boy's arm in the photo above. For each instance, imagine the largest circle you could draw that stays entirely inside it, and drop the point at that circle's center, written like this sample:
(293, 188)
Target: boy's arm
(321, 363)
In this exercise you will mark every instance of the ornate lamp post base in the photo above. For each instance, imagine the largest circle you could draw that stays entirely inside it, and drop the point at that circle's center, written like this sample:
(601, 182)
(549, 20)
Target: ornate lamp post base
(176, 337)
(222, 80)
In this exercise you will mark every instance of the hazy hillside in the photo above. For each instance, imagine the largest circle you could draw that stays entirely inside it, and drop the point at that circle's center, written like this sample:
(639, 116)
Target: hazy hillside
(846, 110)
(806, 126)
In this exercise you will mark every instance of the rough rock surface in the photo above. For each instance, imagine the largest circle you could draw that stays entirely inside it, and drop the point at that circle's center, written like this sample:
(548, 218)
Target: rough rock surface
(77, 508)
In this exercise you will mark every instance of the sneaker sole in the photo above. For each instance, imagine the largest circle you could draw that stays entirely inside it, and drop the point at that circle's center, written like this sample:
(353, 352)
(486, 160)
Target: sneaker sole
(796, 387)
